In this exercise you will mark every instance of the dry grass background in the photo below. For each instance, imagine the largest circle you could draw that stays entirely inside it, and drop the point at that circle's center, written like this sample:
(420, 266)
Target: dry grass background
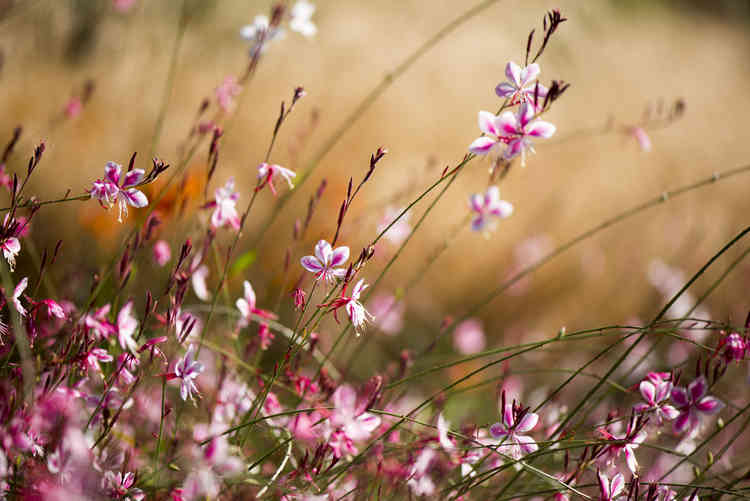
(618, 59)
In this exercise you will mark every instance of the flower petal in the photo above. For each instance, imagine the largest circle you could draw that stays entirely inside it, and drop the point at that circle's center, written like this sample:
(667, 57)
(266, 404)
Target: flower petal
(323, 251)
(709, 405)
(133, 177)
(487, 123)
(513, 72)
(482, 145)
(340, 256)
(528, 422)
(539, 128)
(698, 388)
(311, 264)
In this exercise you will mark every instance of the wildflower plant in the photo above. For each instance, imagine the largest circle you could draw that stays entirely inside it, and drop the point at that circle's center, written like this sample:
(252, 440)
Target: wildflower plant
(163, 378)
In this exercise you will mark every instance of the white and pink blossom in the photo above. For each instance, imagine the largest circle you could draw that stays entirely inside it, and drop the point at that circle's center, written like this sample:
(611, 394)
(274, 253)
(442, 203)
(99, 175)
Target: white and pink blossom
(327, 262)
(488, 205)
(521, 85)
(119, 188)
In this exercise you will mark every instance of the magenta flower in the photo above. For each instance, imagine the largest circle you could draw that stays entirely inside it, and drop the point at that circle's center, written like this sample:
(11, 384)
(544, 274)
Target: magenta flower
(732, 346)
(692, 402)
(10, 247)
(520, 87)
(509, 431)
(327, 261)
(126, 326)
(610, 489)
(269, 172)
(188, 369)
(121, 189)
(487, 205)
(655, 392)
(225, 204)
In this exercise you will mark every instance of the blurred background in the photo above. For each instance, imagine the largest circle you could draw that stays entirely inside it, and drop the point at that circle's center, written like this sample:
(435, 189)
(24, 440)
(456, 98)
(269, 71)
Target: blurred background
(623, 60)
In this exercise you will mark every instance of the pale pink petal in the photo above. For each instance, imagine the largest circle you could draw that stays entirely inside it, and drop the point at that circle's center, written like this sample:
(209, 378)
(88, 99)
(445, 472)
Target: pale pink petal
(669, 412)
(478, 222)
(133, 177)
(647, 391)
(323, 252)
(617, 485)
(514, 148)
(528, 422)
(513, 72)
(525, 114)
(243, 307)
(508, 123)
(344, 399)
(482, 145)
(540, 128)
(631, 460)
(199, 283)
(502, 209)
(487, 123)
(497, 430)
(311, 264)
(528, 445)
(249, 295)
(136, 198)
(508, 416)
(603, 485)
(529, 73)
(476, 202)
(504, 90)
(340, 256)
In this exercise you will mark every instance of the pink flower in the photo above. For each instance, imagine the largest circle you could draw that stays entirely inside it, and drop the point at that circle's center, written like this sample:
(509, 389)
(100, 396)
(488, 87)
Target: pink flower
(123, 5)
(301, 21)
(162, 252)
(226, 92)
(16, 298)
(269, 172)
(346, 425)
(400, 229)
(126, 326)
(625, 442)
(468, 337)
(247, 308)
(74, 107)
(390, 313)
(509, 430)
(10, 247)
(419, 482)
(655, 392)
(109, 190)
(90, 361)
(520, 87)
(225, 204)
(610, 489)
(515, 130)
(358, 315)
(487, 205)
(732, 347)
(188, 369)
(326, 262)
(98, 324)
(692, 402)
(642, 138)
(198, 279)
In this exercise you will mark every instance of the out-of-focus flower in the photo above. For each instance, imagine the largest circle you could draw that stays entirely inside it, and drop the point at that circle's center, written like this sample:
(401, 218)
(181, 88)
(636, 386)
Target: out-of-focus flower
(509, 432)
(327, 261)
(73, 107)
(126, 326)
(487, 205)
(401, 229)
(625, 442)
(119, 486)
(97, 324)
(389, 313)
(123, 5)
(419, 482)
(468, 337)
(17, 292)
(225, 205)
(115, 187)
(346, 426)
(188, 369)
(269, 172)
(732, 347)
(642, 138)
(226, 92)
(162, 252)
(260, 34)
(301, 21)
(692, 402)
(520, 87)
(198, 279)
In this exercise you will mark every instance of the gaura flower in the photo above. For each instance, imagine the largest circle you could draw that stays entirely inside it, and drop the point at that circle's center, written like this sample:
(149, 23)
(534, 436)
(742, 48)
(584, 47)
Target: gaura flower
(488, 205)
(126, 326)
(11, 247)
(521, 85)
(509, 432)
(260, 34)
(247, 308)
(327, 261)
(16, 298)
(187, 369)
(226, 92)
(610, 489)
(268, 172)
(358, 315)
(301, 22)
(692, 402)
(225, 206)
(515, 130)
(117, 188)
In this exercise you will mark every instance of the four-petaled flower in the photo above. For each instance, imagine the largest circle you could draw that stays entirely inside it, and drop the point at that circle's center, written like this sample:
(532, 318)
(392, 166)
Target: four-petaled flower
(515, 130)
(327, 261)
(487, 205)
(691, 402)
(655, 391)
(520, 87)
(268, 172)
(348, 424)
(187, 369)
(118, 188)
(126, 326)
(509, 431)
(225, 206)
(624, 442)
(301, 21)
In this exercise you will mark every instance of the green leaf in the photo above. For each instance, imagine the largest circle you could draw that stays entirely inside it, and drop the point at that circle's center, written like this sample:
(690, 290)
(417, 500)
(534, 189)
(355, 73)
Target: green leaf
(242, 262)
